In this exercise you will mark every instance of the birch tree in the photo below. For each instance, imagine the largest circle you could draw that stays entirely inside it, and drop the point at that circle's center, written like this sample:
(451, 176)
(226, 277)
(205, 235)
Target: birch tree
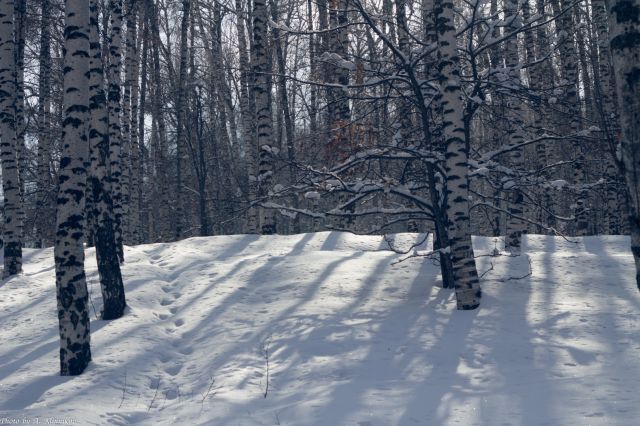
(624, 29)
(113, 295)
(71, 286)
(466, 284)
(115, 130)
(181, 111)
(263, 118)
(13, 212)
(43, 184)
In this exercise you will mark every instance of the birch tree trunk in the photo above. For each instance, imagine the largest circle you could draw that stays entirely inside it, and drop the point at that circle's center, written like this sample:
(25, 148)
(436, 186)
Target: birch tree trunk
(134, 142)
(43, 183)
(115, 131)
(142, 111)
(125, 121)
(20, 23)
(71, 286)
(181, 105)
(98, 182)
(159, 208)
(247, 114)
(13, 213)
(466, 283)
(284, 107)
(515, 225)
(264, 119)
(624, 30)
(608, 116)
(569, 61)
(131, 152)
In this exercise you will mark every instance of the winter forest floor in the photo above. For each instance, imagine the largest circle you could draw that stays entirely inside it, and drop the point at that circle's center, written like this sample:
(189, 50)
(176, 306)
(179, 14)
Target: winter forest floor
(351, 337)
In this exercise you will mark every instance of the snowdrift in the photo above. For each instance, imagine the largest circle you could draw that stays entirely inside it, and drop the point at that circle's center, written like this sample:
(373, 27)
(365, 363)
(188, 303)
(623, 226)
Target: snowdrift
(334, 329)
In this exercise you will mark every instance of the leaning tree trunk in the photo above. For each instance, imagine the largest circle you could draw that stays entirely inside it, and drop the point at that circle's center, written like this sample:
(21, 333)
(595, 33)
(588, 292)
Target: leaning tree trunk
(624, 30)
(98, 182)
(465, 275)
(71, 285)
(12, 233)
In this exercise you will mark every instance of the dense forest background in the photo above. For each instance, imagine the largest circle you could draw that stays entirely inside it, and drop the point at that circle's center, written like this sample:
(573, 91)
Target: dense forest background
(333, 109)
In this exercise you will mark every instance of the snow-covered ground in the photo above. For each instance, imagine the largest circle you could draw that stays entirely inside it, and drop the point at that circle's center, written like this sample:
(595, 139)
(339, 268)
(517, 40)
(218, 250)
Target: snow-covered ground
(352, 337)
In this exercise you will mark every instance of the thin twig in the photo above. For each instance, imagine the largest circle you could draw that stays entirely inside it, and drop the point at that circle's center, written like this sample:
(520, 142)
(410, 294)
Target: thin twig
(390, 242)
(265, 351)
(206, 394)
(523, 276)
(154, 395)
(95, 314)
(486, 272)
(508, 278)
(124, 389)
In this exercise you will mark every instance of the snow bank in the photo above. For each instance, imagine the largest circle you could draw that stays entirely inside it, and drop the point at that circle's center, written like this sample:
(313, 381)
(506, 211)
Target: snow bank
(352, 337)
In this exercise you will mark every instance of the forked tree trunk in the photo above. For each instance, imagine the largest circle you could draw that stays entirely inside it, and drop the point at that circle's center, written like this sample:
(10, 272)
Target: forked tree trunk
(71, 286)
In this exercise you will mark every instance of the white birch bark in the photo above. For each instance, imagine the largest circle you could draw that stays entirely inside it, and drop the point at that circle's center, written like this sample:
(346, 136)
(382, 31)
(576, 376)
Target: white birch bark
(516, 134)
(246, 113)
(130, 149)
(115, 131)
(466, 283)
(71, 286)
(43, 184)
(181, 134)
(20, 24)
(264, 119)
(134, 142)
(111, 285)
(159, 222)
(13, 210)
(624, 29)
